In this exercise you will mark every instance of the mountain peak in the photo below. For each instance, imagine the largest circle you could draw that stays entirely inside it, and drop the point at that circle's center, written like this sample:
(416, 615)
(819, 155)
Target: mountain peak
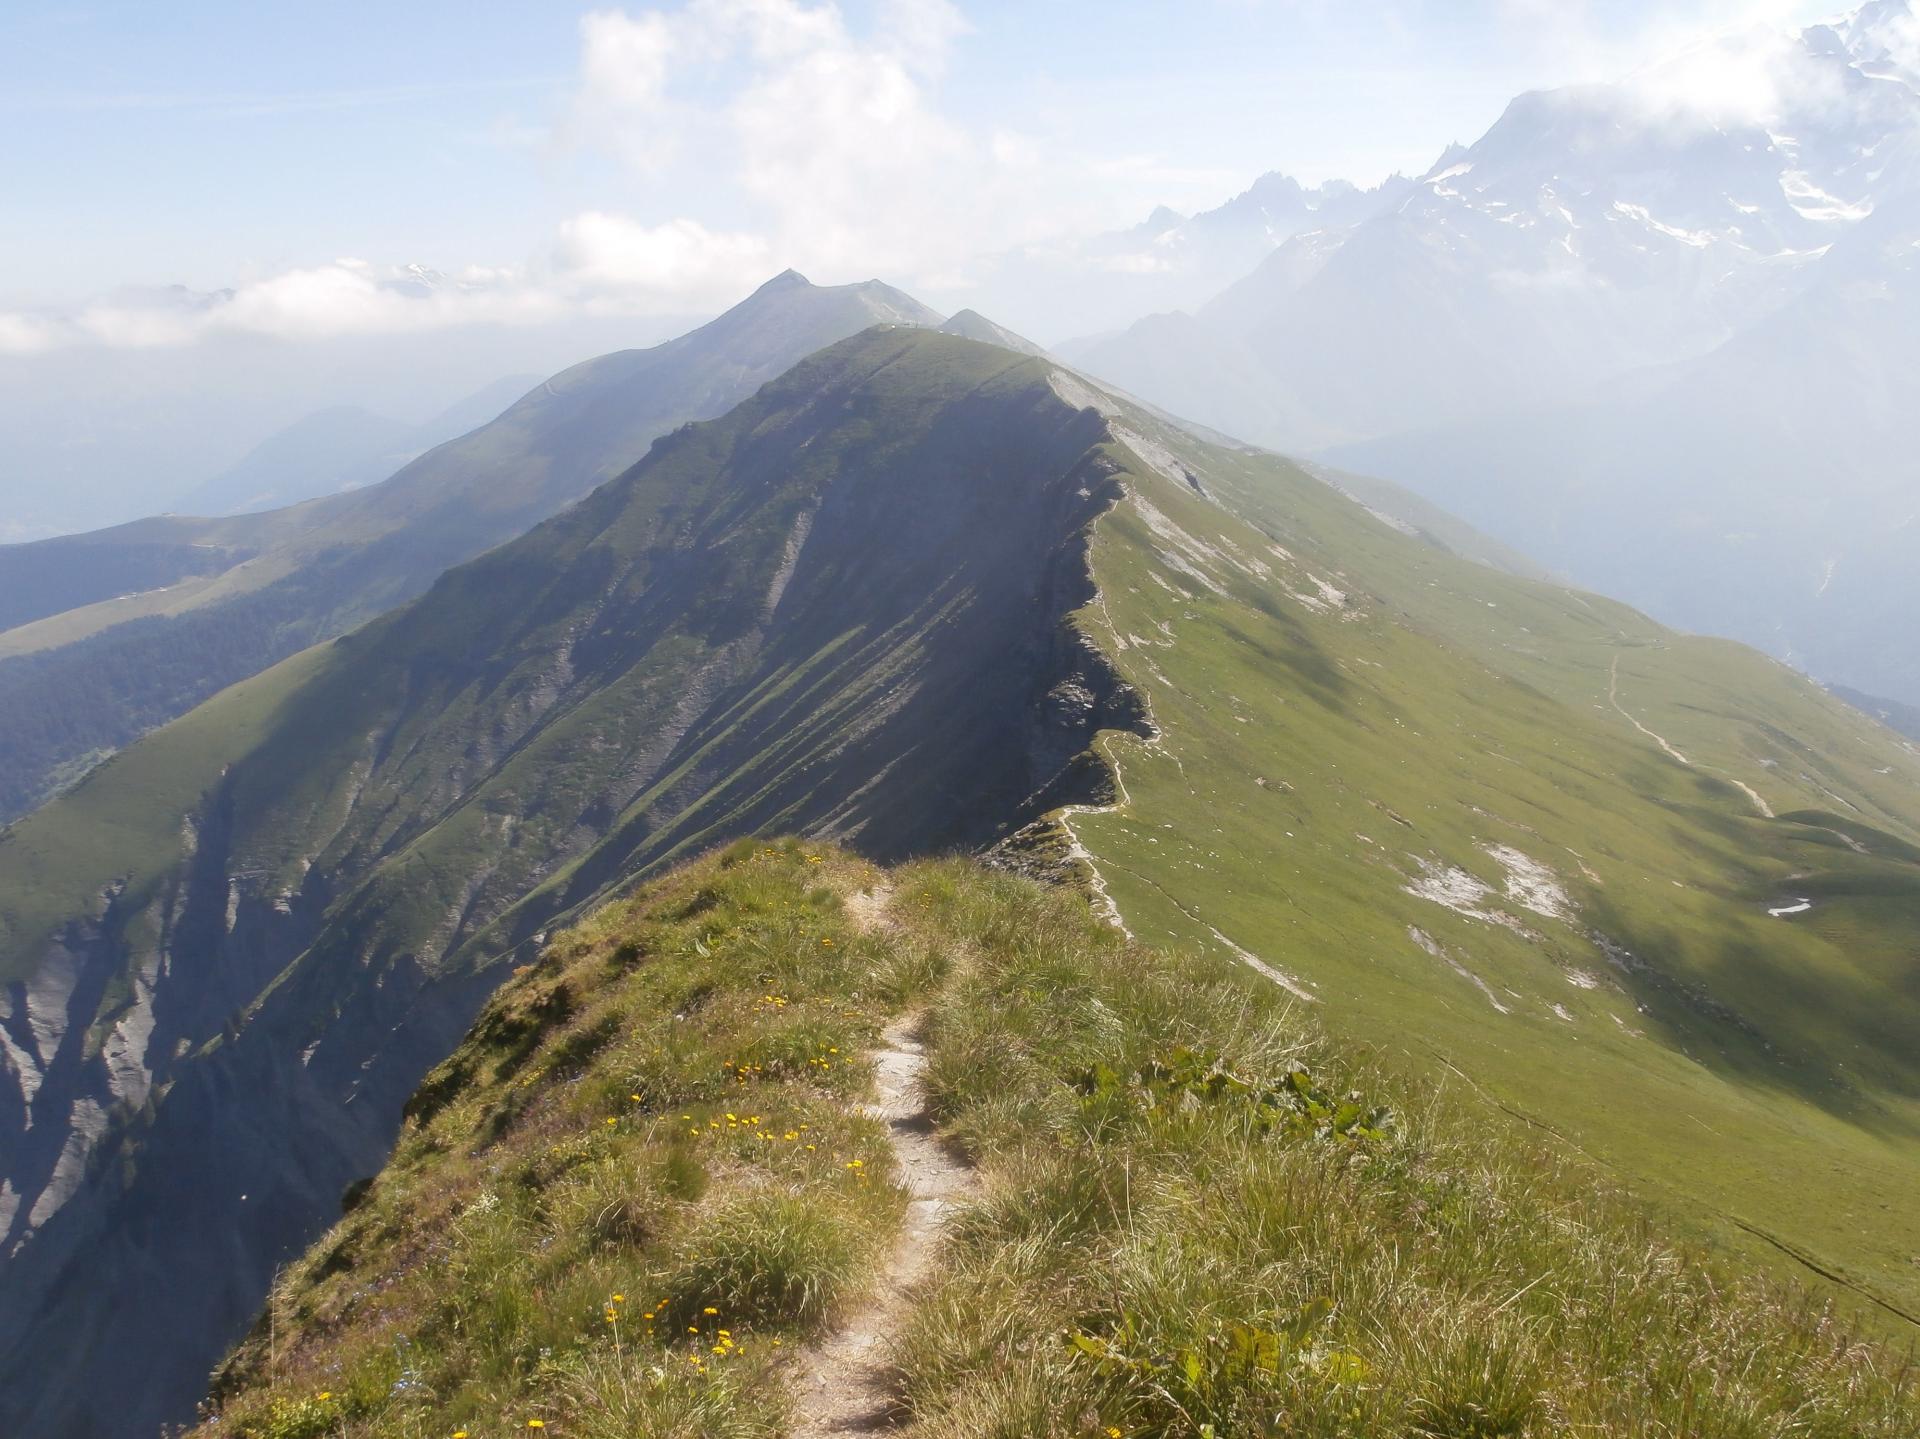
(972, 325)
(787, 279)
(1449, 157)
(1274, 182)
(1163, 218)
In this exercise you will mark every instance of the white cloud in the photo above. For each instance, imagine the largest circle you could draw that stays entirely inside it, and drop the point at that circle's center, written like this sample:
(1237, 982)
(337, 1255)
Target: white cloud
(829, 142)
(1712, 61)
(344, 297)
(1750, 74)
(24, 334)
(921, 32)
(756, 134)
(681, 259)
(625, 60)
(600, 263)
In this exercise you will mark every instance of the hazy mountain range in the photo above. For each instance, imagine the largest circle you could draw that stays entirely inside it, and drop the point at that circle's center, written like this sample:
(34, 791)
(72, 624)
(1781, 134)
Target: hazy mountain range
(111, 632)
(919, 591)
(1666, 352)
(1170, 260)
(341, 448)
(94, 435)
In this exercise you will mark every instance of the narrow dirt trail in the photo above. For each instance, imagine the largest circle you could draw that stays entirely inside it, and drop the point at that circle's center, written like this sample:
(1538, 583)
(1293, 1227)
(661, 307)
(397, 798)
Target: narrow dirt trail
(1761, 807)
(843, 1383)
(1613, 694)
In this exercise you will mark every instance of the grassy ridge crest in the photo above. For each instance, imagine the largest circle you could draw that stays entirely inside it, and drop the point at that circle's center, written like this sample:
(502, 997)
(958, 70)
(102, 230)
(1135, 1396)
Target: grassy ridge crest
(644, 1180)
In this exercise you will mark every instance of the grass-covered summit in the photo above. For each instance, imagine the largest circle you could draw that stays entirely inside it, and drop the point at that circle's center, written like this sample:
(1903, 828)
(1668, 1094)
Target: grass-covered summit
(643, 1191)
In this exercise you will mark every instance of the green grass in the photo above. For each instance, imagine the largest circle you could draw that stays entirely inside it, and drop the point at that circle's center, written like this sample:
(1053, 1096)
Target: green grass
(638, 1180)
(124, 825)
(1200, 1214)
(1197, 1222)
(1757, 1074)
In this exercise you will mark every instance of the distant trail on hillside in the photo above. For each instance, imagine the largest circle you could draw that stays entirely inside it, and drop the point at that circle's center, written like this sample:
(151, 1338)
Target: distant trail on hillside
(1764, 809)
(1613, 694)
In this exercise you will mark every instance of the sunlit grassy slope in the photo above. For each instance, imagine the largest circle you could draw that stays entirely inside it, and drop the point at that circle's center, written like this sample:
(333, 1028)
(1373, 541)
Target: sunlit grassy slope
(838, 609)
(641, 1186)
(104, 636)
(1348, 713)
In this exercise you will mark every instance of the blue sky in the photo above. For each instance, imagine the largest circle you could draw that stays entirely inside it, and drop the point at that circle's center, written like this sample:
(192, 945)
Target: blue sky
(222, 142)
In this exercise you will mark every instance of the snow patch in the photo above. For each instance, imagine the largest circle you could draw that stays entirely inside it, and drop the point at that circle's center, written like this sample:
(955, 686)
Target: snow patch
(1813, 203)
(1451, 888)
(1324, 598)
(1698, 239)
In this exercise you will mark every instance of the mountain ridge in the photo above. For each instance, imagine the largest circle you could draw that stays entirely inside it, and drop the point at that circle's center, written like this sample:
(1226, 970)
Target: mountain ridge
(220, 599)
(1534, 837)
(391, 865)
